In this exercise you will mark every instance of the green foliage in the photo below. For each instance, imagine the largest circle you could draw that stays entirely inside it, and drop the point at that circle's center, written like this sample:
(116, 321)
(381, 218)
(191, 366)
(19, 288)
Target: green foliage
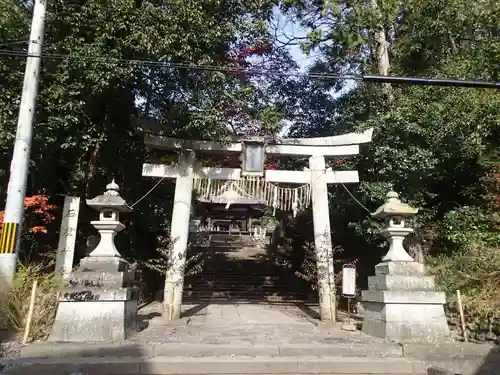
(467, 226)
(473, 271)
(164, 263)
(85, 129)
(15, 304)
(436, 146)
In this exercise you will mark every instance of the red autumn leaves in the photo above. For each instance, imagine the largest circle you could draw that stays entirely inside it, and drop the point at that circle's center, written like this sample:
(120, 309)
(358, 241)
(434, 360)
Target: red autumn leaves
(238, 58)
(38, 213)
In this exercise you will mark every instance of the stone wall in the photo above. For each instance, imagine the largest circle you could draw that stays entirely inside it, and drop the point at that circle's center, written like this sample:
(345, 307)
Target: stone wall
(477, 328)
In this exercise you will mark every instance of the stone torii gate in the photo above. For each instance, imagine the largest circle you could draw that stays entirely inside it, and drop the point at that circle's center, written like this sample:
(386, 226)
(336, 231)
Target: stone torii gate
(254, 150)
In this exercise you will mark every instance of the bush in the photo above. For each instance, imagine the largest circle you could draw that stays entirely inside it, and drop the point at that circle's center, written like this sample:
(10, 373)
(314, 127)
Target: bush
(164, 263)
(309, 271)
(14, 309)
(475, 271)
(468, 226)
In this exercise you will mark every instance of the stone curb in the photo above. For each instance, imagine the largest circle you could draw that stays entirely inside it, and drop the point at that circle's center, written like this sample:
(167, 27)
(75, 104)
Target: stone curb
(198, 350)
(220, 365)
(447, 350)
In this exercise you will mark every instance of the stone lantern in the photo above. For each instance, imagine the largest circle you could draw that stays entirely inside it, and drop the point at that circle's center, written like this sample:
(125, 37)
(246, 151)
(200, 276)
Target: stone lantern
(109, 205)
(394, 212)
(401, 303)
(100, 303)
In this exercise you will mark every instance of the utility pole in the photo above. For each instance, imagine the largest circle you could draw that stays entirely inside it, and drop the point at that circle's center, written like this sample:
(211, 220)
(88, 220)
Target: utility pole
(19, 167)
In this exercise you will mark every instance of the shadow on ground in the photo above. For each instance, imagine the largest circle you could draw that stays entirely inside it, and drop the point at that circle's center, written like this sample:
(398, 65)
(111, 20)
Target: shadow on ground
(490, 364)
(5, 342)
(456, 358)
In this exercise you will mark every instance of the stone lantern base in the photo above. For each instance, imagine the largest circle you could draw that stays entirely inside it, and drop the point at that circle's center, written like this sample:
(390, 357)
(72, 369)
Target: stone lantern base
(97, 305)
(401, 304)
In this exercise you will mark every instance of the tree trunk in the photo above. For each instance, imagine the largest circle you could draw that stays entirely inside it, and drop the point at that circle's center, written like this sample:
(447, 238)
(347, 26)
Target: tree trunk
(415, 249)
(381, 56)
(90, 168)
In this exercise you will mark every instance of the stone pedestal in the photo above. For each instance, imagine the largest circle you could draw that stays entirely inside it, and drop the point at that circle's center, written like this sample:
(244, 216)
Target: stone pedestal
(97, 305)
(401, 304)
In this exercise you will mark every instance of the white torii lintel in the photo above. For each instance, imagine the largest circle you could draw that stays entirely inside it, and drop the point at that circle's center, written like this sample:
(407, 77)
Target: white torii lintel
(339, 145)
(276, 176)
(146, 125)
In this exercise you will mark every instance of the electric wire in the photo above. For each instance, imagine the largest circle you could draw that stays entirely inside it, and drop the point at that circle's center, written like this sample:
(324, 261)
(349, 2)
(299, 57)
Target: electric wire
(166, 64)
(264, 72)
(355, 199)
(149, 192)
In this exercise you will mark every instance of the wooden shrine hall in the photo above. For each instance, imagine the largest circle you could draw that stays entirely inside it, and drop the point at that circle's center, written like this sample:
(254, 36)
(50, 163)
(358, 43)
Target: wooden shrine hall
(239, 218)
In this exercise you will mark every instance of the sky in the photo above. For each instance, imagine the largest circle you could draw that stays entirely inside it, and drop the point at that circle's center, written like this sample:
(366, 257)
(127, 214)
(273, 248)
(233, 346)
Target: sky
(290, 30)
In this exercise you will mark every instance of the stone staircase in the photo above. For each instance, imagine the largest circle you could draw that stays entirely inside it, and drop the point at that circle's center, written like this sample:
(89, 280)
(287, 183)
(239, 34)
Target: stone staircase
(352, 355)
(349, 356)
(236, 270)
(175, 358)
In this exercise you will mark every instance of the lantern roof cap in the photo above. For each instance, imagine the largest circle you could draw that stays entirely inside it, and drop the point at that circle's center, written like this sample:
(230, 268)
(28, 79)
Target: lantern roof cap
(109, 200)
(394, 207)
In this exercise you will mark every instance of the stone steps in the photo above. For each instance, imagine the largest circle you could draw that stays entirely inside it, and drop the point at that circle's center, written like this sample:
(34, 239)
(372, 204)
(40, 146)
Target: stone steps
(239, 287)
(242, 275)
(244, 288)
(238, 298)
(219, 365)
(264, 270)
(176, 349)
(266, 276)
(174, 358)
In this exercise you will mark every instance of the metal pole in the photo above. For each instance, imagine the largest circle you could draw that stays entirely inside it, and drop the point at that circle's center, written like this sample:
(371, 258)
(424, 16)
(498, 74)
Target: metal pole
(14, 208)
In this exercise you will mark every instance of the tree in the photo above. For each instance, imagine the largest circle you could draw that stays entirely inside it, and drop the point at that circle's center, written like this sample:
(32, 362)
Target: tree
(106, 65)
(434, 145)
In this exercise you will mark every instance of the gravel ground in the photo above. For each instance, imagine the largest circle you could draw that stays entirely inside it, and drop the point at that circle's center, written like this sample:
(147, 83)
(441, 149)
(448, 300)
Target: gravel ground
(10, 349)
(9, 346)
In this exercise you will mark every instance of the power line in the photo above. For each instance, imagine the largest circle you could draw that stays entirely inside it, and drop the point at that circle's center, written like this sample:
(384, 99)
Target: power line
(11, 43)
(263, 72)
(149, 192)
(166, 64)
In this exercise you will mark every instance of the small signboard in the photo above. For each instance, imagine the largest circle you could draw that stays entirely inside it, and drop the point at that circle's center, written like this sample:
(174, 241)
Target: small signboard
(349, 280)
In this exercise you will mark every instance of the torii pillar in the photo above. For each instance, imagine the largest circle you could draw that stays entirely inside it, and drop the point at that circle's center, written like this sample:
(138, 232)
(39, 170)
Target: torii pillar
(322, 238)
(179, 232)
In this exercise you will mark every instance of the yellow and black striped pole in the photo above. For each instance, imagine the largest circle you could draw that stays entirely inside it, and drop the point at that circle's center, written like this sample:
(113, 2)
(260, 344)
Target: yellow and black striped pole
(8, 240)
